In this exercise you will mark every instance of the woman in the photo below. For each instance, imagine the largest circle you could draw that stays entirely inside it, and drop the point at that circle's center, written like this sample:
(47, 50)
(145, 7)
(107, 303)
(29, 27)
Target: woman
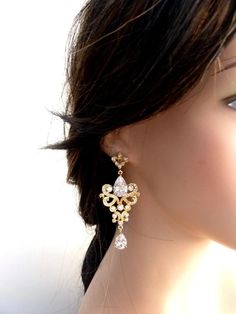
(155, 81)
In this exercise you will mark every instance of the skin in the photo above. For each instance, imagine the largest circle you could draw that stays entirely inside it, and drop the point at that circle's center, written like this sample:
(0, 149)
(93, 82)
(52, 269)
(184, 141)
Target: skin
(182, 231)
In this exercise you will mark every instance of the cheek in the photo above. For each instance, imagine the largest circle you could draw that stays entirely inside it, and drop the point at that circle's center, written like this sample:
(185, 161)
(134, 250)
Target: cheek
(195, 175)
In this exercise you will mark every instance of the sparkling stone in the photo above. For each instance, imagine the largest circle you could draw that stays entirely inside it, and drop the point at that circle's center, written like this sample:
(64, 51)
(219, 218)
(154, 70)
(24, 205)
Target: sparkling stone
(120, 187)
(121, 242)
(131, 188)
(120, 207)
(109, 189)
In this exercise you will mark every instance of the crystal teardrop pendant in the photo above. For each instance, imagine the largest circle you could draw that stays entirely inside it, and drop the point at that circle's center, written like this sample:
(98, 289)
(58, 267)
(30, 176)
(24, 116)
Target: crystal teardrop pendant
(121, 242)
(120, 187)
(120, 208)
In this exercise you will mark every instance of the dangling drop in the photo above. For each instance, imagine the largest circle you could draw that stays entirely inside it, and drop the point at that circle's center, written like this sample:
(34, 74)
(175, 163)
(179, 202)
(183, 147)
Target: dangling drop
(121, 241)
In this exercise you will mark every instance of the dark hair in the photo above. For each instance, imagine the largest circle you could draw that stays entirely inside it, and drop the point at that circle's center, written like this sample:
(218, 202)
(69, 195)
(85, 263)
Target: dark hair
(128, 60)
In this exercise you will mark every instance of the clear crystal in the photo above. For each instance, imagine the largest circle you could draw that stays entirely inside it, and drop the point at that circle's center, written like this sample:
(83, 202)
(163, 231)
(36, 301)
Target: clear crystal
(109, 188)
(120, 207)
(120, 187)
(121, 242)
(130, 187)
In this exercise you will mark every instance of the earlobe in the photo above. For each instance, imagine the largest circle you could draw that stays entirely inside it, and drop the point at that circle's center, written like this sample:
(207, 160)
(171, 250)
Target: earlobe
(112, 143)
(107, 144)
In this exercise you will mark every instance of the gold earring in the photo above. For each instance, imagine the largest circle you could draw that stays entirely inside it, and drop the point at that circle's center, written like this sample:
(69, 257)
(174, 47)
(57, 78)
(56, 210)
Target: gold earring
(121, 200)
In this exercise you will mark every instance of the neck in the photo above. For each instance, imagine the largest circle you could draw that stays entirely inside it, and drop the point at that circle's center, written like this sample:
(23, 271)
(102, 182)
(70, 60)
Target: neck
(164, 269)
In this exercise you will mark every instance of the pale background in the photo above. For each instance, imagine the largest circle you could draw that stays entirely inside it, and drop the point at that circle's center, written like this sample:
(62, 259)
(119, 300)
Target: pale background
(42, 238)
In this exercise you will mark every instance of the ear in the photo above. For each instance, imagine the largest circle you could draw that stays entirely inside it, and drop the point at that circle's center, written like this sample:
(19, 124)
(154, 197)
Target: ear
(114, 142)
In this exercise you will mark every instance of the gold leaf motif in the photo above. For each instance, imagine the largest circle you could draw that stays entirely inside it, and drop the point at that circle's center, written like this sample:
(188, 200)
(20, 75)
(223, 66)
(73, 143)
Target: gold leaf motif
(114, 202)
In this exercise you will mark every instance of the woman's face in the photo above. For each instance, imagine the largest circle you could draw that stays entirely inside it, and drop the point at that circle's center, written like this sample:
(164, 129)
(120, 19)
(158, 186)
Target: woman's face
(186, 156)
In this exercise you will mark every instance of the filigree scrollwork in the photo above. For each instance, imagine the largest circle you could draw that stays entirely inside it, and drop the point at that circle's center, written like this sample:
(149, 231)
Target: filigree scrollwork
(119, 198)
(119, 207)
